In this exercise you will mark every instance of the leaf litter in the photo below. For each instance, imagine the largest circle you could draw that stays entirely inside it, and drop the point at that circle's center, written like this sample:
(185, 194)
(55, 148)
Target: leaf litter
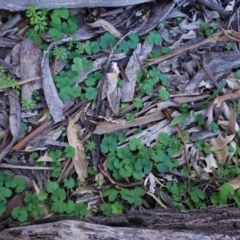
(137, 108)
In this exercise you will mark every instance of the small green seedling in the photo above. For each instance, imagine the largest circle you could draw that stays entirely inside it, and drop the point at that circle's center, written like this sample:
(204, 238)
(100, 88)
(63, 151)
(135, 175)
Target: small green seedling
(28, 103)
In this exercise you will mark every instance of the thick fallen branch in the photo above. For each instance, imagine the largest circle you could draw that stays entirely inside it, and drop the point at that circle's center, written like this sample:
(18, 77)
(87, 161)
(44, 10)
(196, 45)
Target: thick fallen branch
(212, 223)
(71, 230)
(16, 5)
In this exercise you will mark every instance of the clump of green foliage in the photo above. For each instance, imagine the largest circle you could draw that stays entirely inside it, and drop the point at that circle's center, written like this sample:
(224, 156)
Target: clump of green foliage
(9, 186)
(28, 103)
(138, 161)
(135, 163)
(115, 194)
(55, 23)
(146, 80)
(54, 196)
(208, 30)
(7, 81)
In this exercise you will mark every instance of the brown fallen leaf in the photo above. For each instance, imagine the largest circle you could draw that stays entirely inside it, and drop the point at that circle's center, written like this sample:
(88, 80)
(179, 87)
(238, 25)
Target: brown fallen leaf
(219, 100)
(222, 154)
(79, 160)
(222, 142)
(232, 121)
(15, 201)
(235, 183)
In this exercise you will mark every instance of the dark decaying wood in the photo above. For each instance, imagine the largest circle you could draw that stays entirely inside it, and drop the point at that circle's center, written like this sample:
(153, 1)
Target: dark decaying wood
(211, 223)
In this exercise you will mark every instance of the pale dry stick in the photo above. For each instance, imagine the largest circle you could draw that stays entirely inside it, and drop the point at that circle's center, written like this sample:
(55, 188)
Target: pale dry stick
(156, 199)
(146, 109)
(230, 34)
(185, 99)
(22, 82)
(212, 39)
(162, 185)
(5, 165)
(209, 73)
(69, 162)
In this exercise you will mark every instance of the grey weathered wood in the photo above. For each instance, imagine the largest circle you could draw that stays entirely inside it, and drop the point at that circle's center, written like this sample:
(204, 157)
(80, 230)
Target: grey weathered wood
(17, 5)
(72, 230)
(211, 223)
(14, 122)
(220, 67)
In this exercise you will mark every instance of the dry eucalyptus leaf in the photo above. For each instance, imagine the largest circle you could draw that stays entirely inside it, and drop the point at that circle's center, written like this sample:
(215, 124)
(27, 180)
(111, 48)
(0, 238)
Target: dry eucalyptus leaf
(15, 201)
(232, 121)
(107, 26)
(79, 160)
(222, 142)
(189, 35)
(230, 6)
(222, 154)
(112, 92)
(14, 121)
(54, 103)
(112, 79)
(186, 25)
(134, 64)
(210, 14)
(44, 158)
(42, 119)
(227, 115)
(233, 83)
(235, 183)
(220, 99)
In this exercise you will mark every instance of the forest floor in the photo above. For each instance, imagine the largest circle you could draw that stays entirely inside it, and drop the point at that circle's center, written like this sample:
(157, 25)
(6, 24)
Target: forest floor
(106, 111)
